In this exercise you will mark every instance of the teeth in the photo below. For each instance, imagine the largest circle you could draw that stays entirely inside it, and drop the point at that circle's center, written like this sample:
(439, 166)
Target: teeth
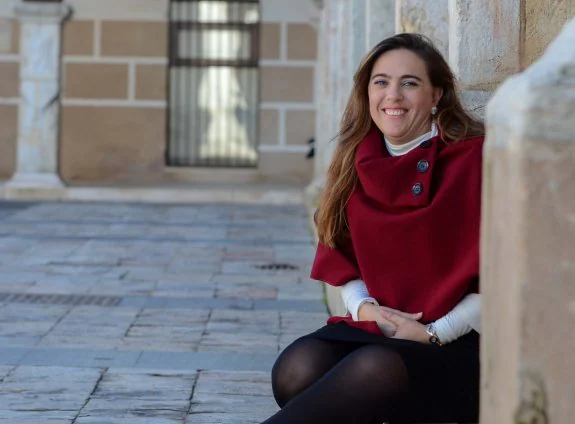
(394, 112)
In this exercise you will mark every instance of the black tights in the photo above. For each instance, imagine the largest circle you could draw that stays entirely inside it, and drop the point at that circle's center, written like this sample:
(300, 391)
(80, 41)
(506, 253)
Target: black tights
(317, 381)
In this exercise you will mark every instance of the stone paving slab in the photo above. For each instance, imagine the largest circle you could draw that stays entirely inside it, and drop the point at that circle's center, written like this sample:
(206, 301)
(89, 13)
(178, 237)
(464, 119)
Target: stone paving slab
(161, 408)
(109, 238)
(141, 359)
(125, 420)
(34, 421)
(19, 341)
(51, 392)
(248, 383)
(13, 355)
(253, 343)
(148, 384)
(40, 416)
(308, 304)
(4, 371)
(246, 395)
(258, 408)
(207, 360)
(77, 357)
(197, 326)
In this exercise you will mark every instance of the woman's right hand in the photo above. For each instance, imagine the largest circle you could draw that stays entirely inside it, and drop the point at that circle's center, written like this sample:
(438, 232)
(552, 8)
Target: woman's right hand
(371, 312)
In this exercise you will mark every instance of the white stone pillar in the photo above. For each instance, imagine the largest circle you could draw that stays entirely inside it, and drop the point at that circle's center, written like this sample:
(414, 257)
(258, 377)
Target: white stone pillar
(313, 190)
(484, 46)
(348, 29)
(380, 22)
(333, 45)
(427, 17)
(39, 109)
(528, 244)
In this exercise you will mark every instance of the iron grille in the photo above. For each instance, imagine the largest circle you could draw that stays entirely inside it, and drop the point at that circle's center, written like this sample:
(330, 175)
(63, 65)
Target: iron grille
(277, 267)
(213, 79)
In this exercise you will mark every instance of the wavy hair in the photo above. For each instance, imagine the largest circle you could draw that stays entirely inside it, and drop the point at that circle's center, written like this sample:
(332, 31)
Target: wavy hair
(454, 122)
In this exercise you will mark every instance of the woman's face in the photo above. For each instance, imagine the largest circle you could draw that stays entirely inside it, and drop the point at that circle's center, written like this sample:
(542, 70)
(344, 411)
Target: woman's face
(401, 96)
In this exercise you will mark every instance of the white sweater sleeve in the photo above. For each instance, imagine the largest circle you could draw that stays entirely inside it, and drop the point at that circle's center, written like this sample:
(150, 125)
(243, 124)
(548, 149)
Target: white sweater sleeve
(354, 294)
(463, 318)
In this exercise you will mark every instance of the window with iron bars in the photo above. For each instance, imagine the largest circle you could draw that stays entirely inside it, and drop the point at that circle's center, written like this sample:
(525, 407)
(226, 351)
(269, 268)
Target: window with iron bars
(213, 79)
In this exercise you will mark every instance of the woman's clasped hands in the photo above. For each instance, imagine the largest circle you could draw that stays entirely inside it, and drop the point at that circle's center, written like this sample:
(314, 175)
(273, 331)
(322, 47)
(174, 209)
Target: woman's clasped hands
(395, 324)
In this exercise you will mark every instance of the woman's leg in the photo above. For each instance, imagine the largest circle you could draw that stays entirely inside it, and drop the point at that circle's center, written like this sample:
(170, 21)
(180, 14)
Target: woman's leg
(365, 386)
(303, 363)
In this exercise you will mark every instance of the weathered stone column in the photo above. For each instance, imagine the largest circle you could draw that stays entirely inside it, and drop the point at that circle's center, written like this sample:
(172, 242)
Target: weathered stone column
(484, 46)
(528, 244)
(342, 43)
(333, 44)
(314, 188)
(347, 30)
(39, 110)
(430, 18)
(380, 18)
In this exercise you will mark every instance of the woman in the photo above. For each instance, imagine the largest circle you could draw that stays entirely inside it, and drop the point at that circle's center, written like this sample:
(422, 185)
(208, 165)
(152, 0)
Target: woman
(398, 225)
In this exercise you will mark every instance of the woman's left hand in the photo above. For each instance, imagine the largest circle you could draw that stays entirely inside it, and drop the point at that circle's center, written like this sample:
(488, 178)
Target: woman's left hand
(406, 328)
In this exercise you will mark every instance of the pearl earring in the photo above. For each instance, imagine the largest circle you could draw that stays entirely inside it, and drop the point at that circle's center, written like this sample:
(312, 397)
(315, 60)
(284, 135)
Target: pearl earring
(434, 110)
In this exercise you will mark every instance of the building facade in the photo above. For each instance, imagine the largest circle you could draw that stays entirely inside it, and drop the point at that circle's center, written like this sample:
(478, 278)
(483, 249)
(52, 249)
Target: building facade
(136, 86)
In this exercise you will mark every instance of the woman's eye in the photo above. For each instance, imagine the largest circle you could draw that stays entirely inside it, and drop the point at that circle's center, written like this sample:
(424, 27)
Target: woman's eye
(410, 84)
(380, 82)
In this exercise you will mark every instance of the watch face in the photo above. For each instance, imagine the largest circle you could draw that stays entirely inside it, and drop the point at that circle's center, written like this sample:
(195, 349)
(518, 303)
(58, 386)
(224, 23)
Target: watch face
(435, 340)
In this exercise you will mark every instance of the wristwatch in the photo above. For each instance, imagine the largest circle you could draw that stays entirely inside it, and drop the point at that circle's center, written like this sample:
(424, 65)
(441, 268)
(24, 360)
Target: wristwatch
(433, 338)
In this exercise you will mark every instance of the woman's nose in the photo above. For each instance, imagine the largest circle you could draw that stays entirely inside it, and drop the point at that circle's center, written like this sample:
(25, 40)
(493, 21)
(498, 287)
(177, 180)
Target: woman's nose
(393, 92)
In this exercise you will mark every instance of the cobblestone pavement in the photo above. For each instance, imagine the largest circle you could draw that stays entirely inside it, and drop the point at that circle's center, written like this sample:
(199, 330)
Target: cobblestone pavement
(133, 314)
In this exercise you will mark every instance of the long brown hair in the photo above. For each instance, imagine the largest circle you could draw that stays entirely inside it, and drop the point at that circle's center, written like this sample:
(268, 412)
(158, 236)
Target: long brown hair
(453, 121)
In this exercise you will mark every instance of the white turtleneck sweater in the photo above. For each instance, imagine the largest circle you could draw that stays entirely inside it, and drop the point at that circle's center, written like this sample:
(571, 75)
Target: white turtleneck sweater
(463, 318)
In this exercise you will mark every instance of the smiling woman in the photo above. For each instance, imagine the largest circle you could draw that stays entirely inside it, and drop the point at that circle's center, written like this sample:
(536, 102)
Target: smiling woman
(401, 97)
(398, 225)
(360, 115)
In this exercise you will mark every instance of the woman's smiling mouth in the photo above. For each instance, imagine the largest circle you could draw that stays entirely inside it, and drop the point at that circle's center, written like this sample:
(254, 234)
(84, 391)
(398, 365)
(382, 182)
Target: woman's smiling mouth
(394, 112)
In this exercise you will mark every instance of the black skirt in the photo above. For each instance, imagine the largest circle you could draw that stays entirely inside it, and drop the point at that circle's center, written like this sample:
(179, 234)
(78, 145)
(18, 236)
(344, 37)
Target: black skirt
(443, 381)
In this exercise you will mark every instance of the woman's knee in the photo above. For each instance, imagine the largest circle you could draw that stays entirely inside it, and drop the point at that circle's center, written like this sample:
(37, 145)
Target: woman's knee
(299, 366)
(377, 361)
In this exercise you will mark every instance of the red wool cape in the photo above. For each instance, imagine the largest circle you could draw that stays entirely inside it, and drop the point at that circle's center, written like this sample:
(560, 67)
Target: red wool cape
(415, 252)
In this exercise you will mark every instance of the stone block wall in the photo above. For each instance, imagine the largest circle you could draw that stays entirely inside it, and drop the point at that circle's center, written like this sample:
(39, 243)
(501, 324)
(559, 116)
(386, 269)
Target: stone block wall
(9, 78)
(288, 53)
(114, 99)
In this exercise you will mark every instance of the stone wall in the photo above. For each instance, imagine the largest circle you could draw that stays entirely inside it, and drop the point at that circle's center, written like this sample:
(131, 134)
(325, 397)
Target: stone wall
(114, 104)
(430, 18)
(287, 82)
